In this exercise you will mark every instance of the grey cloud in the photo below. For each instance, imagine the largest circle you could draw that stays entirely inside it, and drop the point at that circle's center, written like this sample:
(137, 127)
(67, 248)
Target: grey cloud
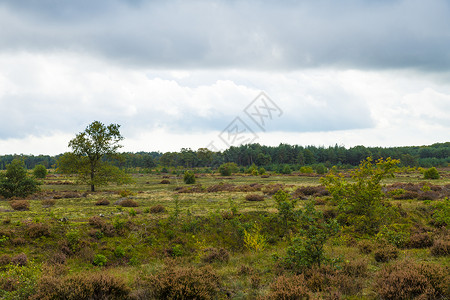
(236, 34)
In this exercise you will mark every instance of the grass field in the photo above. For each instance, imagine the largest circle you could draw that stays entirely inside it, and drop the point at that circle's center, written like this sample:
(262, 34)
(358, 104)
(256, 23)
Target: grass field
(163, 240)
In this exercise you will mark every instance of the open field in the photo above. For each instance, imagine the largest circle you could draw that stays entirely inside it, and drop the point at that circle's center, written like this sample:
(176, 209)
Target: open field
(147, 233)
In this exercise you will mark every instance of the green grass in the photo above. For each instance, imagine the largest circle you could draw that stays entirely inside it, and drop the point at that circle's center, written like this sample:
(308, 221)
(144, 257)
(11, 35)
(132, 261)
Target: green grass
(145, 240)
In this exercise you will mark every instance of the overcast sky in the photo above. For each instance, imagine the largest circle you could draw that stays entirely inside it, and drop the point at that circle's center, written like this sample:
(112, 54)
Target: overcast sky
(179, 74)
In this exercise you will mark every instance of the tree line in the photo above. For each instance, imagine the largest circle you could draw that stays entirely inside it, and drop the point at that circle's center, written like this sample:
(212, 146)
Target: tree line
(268, 156)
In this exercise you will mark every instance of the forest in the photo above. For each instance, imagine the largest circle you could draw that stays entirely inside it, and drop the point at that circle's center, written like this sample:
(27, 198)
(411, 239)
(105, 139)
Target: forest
(272, 158)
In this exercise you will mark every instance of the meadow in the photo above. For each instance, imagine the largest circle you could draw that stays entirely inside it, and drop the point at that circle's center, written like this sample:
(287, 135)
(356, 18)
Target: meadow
(220, 238)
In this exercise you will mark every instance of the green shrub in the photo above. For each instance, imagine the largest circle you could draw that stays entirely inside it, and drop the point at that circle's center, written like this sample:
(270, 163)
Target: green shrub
(254, 240)
(16, 182)
(307, 248)
(431, 173)
(396, 234)
(189, 177)
(19, 282)
(73, 240)
(441, 216)
(99, 260)
(286, 208)
(125, 193)
(40, 171)
(320, 169)
(227, 169)
(253, 169)
(286, 170)
(360, 201)
(306, 170)
(119, 252)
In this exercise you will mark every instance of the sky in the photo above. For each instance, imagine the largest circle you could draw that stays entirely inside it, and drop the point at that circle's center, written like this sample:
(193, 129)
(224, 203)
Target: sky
(214, 73)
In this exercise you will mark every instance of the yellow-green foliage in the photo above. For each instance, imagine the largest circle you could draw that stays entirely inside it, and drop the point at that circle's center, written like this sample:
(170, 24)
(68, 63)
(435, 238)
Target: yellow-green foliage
(254, 240)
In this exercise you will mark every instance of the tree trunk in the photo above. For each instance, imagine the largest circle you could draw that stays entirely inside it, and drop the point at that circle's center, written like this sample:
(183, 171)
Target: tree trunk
(92, 181)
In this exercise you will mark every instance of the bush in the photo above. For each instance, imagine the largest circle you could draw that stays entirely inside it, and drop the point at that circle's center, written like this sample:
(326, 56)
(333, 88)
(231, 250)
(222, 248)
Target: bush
(99, 260)
(156, 209)
(441, 215)
(286, 208)
(82, 286)
(428, 195)
(5, 260)
(420, 240)
(128, 203)
(125, 193)
(293, 287)
(431, 173)
(385, 253)
(20, 260)
(40, 171)
(57, 258)
(254, 197)
(441, 247)
(189, 177)
(73, 240)
(360, 201)
(355, 268)
(96, 222)
(102, 202)
(20, 205)
(286, 170)
(272, 189)
(307, 249)
(16, 182)
(227, 169)
(261, 171)
(215, 254)
(36, 230)
(48, 203)
(321, 169)
(165, 181)
(408, 280)
(306, 170)
(254, 240)
(176, 282)
(19, 282)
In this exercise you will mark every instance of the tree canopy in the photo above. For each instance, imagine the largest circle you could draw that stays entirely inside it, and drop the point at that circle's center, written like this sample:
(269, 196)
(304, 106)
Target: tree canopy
(90, 149)
(16, 181)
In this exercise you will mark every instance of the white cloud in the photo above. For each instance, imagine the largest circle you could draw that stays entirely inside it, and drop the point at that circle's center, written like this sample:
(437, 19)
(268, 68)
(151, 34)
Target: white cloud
(50, 98)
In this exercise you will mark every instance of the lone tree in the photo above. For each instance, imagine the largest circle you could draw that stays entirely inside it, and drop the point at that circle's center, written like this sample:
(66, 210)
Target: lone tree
(16, 182)
(90, 149)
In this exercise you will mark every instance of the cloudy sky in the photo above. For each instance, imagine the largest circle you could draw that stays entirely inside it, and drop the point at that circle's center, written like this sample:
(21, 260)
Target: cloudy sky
(179, 74)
